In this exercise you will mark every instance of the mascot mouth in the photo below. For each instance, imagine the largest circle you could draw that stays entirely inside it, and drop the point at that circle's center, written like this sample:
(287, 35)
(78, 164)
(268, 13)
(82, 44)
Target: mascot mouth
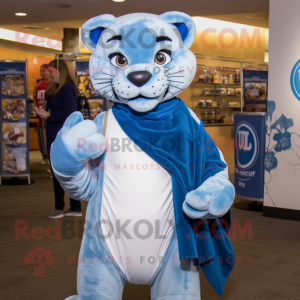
(140, 96)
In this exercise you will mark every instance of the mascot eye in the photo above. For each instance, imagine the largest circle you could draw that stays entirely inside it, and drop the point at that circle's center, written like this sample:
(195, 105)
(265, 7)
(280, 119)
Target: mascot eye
(162, 58)
(119, 60)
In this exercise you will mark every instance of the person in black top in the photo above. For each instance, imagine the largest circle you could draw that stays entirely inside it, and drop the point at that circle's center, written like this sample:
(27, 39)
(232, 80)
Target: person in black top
(61, 96)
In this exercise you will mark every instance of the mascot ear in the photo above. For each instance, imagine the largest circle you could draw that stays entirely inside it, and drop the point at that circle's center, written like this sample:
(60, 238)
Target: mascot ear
(92, 29)
(184, 23)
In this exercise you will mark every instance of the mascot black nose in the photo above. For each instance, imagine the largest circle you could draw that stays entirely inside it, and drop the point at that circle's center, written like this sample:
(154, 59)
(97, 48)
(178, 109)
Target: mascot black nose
(139, 78)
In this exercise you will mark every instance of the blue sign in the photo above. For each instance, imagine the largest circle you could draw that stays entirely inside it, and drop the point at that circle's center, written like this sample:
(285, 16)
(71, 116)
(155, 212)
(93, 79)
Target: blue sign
(249, 133)
(295, 80)
(12, 68)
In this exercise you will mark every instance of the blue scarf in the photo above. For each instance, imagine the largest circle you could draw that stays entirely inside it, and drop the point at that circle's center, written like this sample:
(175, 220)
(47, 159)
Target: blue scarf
(171, 137)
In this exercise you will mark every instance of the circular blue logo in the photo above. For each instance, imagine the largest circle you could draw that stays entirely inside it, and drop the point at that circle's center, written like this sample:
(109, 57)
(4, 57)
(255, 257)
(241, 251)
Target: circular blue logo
(246, 145)
(295, 80)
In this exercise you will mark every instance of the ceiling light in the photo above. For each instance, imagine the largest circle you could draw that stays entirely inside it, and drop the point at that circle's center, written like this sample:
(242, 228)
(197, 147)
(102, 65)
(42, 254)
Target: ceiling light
(118, 0)
(20, 14)
(35, 28)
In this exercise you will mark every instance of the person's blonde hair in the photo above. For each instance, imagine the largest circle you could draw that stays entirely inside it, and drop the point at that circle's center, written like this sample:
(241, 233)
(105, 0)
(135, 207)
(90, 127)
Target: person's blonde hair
(65, 75)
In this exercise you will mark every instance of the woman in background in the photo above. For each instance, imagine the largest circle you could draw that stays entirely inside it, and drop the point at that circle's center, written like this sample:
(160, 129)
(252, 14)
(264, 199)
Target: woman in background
(39, 97)
(61, 96)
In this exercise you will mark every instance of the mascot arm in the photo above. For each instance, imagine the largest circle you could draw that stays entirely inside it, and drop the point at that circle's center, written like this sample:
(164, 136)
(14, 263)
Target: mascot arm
(76, 143)
(214, 197)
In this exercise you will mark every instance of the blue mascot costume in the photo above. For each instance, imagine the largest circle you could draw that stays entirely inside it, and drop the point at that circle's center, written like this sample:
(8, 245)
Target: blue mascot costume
(157, 185)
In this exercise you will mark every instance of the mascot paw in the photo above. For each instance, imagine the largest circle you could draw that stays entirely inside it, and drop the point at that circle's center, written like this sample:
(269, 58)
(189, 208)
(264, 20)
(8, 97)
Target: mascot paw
(81, 138)
(209, 203)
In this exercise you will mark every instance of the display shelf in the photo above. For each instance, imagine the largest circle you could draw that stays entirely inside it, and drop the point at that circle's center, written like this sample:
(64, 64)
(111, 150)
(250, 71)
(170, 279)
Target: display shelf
(208, 106)
(219, 95)
(218, 83)
(226, 80)
(217, 107)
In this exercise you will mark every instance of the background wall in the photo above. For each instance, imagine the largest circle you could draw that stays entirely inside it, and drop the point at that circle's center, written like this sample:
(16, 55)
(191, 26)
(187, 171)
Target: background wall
(227, 39)
(36, 56)
(282, 161)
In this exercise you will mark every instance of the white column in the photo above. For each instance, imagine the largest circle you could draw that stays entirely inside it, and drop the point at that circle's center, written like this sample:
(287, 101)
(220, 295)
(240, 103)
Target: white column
(282, 175)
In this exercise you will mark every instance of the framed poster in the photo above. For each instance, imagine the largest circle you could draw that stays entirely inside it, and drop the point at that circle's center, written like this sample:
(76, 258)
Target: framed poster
(255, 90)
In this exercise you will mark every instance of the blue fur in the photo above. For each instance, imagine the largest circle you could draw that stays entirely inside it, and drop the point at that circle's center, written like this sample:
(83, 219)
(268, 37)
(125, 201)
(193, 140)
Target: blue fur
(183, 30)
(163, 85)
(174, 279)
(79, 183)
(92, 24)
(81, 173)
(95, 34)
(176, 18)
(100, 280)
(212, 199)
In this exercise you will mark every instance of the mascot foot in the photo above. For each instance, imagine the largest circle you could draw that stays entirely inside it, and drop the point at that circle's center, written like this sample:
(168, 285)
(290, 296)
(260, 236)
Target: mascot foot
(71, 298)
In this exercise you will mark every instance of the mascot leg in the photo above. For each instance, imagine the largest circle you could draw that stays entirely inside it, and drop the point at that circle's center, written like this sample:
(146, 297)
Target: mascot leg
(175, 279)
(99, 276)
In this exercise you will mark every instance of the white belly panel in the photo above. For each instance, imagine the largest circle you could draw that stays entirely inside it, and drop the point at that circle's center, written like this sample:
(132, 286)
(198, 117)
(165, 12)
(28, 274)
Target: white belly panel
(137, 191)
